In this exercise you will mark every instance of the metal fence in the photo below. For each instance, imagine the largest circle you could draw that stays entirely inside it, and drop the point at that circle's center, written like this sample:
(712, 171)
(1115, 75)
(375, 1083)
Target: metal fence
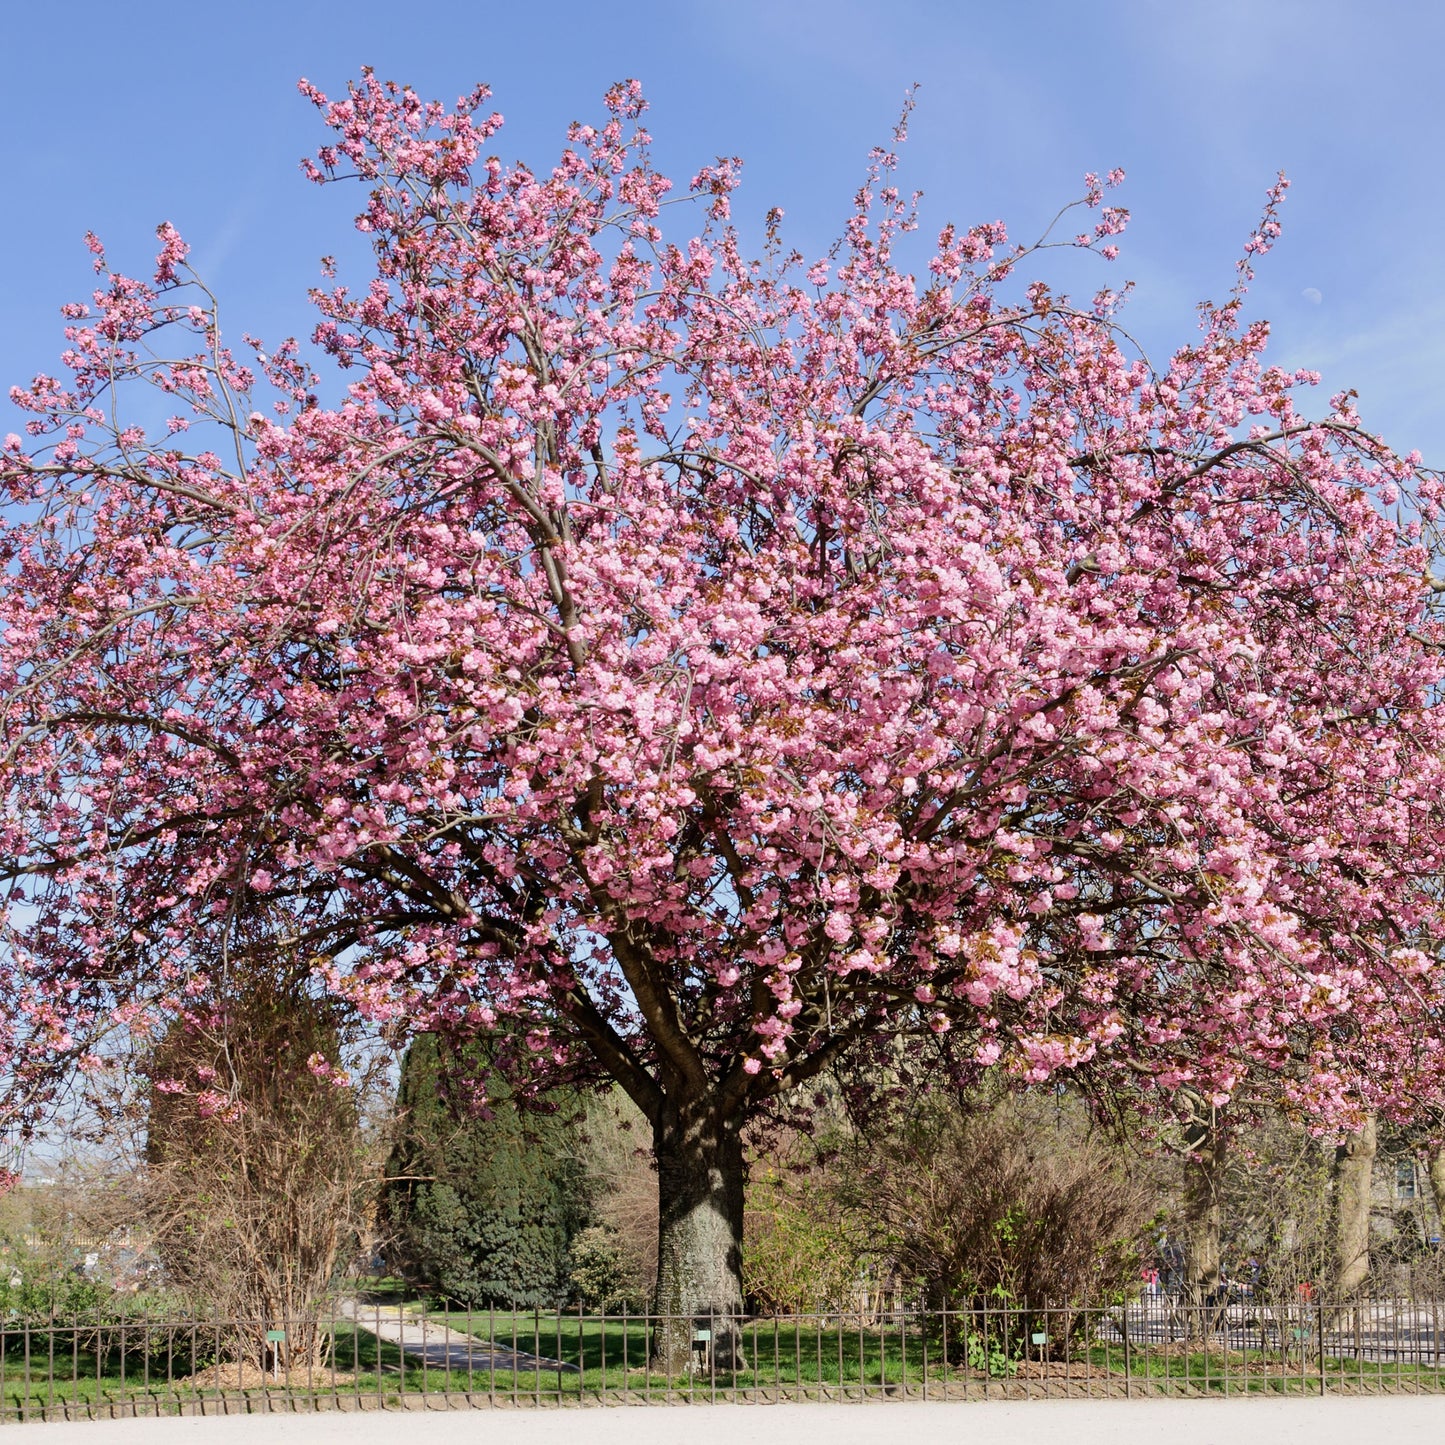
(368, 1356)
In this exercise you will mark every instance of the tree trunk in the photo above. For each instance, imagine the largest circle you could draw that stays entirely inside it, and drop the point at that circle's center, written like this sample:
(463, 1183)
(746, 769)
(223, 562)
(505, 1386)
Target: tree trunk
(1435, 1163)
(1203, 1218)
(699, 1300)
(1354, 1173)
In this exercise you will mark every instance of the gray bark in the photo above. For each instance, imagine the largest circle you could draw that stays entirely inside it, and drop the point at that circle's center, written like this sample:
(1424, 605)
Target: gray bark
(1203, 1217)
(1354, 1173)
(700, 1176)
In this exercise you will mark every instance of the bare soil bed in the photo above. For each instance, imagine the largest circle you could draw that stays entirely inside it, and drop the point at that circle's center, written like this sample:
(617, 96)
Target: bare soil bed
(243, 1375)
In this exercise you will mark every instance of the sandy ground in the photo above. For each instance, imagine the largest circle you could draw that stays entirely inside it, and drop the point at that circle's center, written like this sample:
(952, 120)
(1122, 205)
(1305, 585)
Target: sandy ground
(1390, 1420)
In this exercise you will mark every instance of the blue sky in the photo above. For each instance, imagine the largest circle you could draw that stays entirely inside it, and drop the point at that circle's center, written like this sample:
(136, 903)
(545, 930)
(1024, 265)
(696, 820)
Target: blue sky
(117, 116)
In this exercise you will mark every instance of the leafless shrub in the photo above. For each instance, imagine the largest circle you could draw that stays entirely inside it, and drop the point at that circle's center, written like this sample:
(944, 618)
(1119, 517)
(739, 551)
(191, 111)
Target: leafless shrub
(261, 1172)
(1019, 1204)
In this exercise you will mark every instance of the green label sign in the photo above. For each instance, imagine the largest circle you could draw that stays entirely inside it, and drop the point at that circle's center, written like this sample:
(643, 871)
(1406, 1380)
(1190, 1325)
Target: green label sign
(275, 1337)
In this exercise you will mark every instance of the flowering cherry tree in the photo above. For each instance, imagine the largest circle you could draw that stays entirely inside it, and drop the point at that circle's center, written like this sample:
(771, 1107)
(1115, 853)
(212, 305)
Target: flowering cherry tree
(702, 673)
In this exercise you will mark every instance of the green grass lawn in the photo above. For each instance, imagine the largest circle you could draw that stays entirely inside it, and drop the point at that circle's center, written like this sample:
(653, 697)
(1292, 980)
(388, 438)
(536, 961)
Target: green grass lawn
(611, 1358)
(610, 1361)
(50, 1375)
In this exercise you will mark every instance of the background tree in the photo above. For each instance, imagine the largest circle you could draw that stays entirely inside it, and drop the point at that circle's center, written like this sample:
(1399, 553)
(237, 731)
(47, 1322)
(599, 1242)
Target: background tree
(1276, 1191)
(1435, 1167)
(808, 1246)
(481, 1209)
(1207, 1140)
(1019, 1204)
(693, 673)
(259, 1174)
(1353, 1190)
(614, 1148)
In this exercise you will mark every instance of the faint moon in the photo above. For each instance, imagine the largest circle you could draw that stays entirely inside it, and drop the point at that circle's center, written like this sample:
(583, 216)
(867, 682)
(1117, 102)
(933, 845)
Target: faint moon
(1313, 295)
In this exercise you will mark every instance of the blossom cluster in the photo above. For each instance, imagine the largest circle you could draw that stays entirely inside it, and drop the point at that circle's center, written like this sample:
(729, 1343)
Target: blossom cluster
(701, 671)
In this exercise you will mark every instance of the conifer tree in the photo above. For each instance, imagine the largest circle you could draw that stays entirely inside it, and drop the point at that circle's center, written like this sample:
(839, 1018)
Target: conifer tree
(482, 1209)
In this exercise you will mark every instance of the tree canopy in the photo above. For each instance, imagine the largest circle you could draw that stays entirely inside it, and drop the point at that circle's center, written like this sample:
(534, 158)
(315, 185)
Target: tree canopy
(700, 671)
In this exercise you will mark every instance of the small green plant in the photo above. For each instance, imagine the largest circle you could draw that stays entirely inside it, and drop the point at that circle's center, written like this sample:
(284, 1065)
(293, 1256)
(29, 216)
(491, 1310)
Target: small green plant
(987, 1354)
(1011, 1224)
(600, 1278)
(39, 1301)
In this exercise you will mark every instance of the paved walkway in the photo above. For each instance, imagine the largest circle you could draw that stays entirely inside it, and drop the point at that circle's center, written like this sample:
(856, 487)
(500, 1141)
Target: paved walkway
(1397, 1420)
(440, 1345)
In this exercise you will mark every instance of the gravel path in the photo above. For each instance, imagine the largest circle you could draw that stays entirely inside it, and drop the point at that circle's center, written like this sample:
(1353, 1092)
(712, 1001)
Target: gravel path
(440, 1345)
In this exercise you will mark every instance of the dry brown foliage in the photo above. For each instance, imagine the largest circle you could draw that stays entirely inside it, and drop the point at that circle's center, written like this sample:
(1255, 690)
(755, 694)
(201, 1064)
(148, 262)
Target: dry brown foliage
(1021, 1203)
(260, 1174)
(243, 1375)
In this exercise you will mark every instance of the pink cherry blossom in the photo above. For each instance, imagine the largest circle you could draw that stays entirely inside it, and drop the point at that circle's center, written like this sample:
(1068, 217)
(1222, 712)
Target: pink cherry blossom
(700, 674)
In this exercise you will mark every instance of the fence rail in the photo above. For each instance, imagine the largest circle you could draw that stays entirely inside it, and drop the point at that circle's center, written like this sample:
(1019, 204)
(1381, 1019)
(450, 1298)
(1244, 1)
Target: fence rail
(367, 1356)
